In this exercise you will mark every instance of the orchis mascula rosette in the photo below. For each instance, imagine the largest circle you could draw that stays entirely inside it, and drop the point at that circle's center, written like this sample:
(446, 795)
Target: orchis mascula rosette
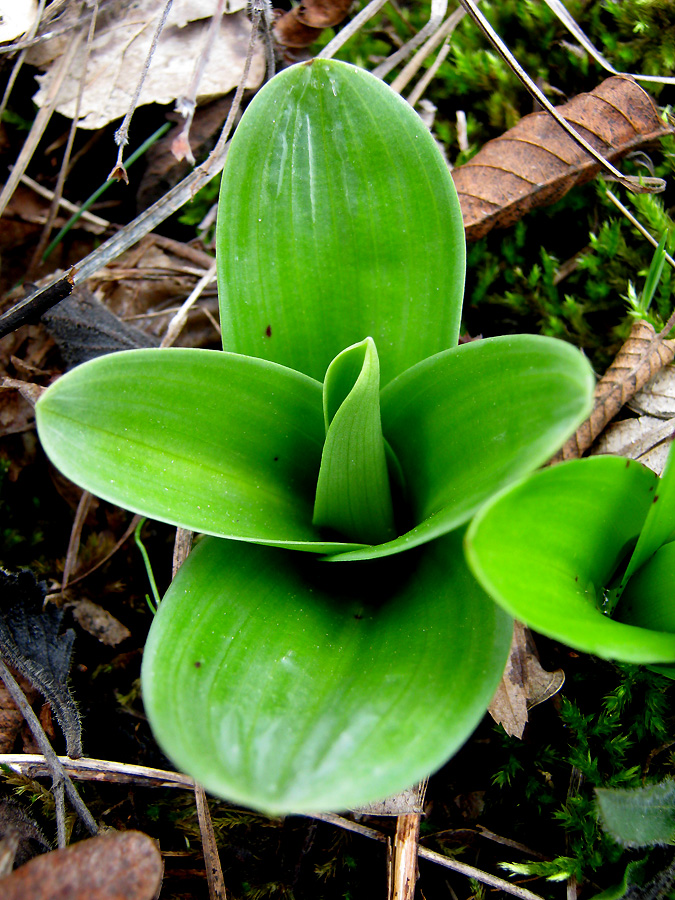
(585, 553)
(342, 420)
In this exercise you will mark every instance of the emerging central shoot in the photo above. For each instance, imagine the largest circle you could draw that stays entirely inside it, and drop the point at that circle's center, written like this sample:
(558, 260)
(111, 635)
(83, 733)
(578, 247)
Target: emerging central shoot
(353, 496)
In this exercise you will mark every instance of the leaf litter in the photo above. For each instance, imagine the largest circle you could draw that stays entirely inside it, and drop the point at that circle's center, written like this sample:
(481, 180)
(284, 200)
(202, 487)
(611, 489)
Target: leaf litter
(500, 218)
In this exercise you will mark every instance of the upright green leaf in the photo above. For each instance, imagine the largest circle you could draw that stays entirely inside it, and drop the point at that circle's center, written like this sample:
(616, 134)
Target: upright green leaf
(290, 686)
(353, 497)
(338, 219)
(660, 524)
(212, 441)
(468, 422)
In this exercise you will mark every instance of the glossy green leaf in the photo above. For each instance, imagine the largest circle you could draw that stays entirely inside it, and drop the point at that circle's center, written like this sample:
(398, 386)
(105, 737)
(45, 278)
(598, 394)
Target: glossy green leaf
(640, 817)
(660, 524)
(211, 441)
(288, 685)
(338, 219)
(547, 548)
(353, 497)
(649, 598)
(468, 422)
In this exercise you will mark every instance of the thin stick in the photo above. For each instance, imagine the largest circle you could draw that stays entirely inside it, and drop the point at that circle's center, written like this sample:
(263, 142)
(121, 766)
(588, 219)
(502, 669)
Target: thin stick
(102, 770)
(638, 186)
(177, 323)
(41, 121)
(404, 869)
(60, 808)
(81, 514)
(214, 871)
(641, 228)
(438, 10)
(426, 79)
(56, 769)
(65, 162)
(432, 856)
(350, 29)
(42, 191)
(186, 106)
(119, 173)
(411, 68)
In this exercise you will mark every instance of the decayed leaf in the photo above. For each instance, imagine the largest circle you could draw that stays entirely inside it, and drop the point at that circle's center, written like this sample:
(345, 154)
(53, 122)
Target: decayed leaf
(11, 718)
(302, 25)
(657, 397)
(31, 643)
(403, 803)
(118, 53)
(99, 622)
(114, 866)
(639, 359)
(646, 439)
(536, 162)
(524, 684)
(16, 17)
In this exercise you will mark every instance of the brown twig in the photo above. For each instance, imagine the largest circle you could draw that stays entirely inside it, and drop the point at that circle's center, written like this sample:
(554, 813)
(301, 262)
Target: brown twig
(423, 853)
(214, 871)
(81, 514)
(404, 867)
(52, 761)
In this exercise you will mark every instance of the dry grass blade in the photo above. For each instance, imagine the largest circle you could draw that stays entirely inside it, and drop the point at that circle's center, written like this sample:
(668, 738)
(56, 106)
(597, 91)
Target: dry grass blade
(411, 69)
(638, 360)
(535, 162)
(438, 10)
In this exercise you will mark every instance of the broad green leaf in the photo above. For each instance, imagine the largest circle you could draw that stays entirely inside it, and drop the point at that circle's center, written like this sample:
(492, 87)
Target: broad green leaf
(290, 686)
(353, 497)
(649, 598)
(211, 441)
(640, 817)
(660, 524)
(547, 548)
(468, 422)
(338, 219)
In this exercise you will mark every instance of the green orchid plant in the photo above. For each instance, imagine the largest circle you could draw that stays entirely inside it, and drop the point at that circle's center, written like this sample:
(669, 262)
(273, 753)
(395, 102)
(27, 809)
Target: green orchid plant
(325, 644)
(599, 560)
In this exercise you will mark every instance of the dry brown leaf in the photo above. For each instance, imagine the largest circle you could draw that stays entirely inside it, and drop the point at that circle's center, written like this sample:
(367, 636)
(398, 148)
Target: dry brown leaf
(642, 355)
(536, 162)
(302, 25)
(657, 397)
(11, 718)
(118, 53)
(99, 622)
(16, 17)
(646, 439)
(403, 803)
(115, 866)
(524, 684)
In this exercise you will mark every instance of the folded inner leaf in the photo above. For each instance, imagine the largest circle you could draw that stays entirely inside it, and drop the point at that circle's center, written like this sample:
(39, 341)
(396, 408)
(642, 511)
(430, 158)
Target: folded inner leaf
(466, 423)
(353, 496)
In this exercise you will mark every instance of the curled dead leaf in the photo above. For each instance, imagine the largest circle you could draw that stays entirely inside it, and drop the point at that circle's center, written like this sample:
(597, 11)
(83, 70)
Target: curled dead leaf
(535, 163)
(113, 866)
(525, 684)
(641, 356)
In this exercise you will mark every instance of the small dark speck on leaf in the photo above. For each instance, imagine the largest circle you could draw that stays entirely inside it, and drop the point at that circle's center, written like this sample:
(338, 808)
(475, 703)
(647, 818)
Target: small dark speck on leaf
(627, 463)
(268, 331)
(198, 665)
(656, 497)
(576, 577)
(358, 616)
(276, 459)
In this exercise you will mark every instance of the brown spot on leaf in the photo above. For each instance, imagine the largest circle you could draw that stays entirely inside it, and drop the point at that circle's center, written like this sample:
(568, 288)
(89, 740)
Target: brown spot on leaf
(268, 331)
